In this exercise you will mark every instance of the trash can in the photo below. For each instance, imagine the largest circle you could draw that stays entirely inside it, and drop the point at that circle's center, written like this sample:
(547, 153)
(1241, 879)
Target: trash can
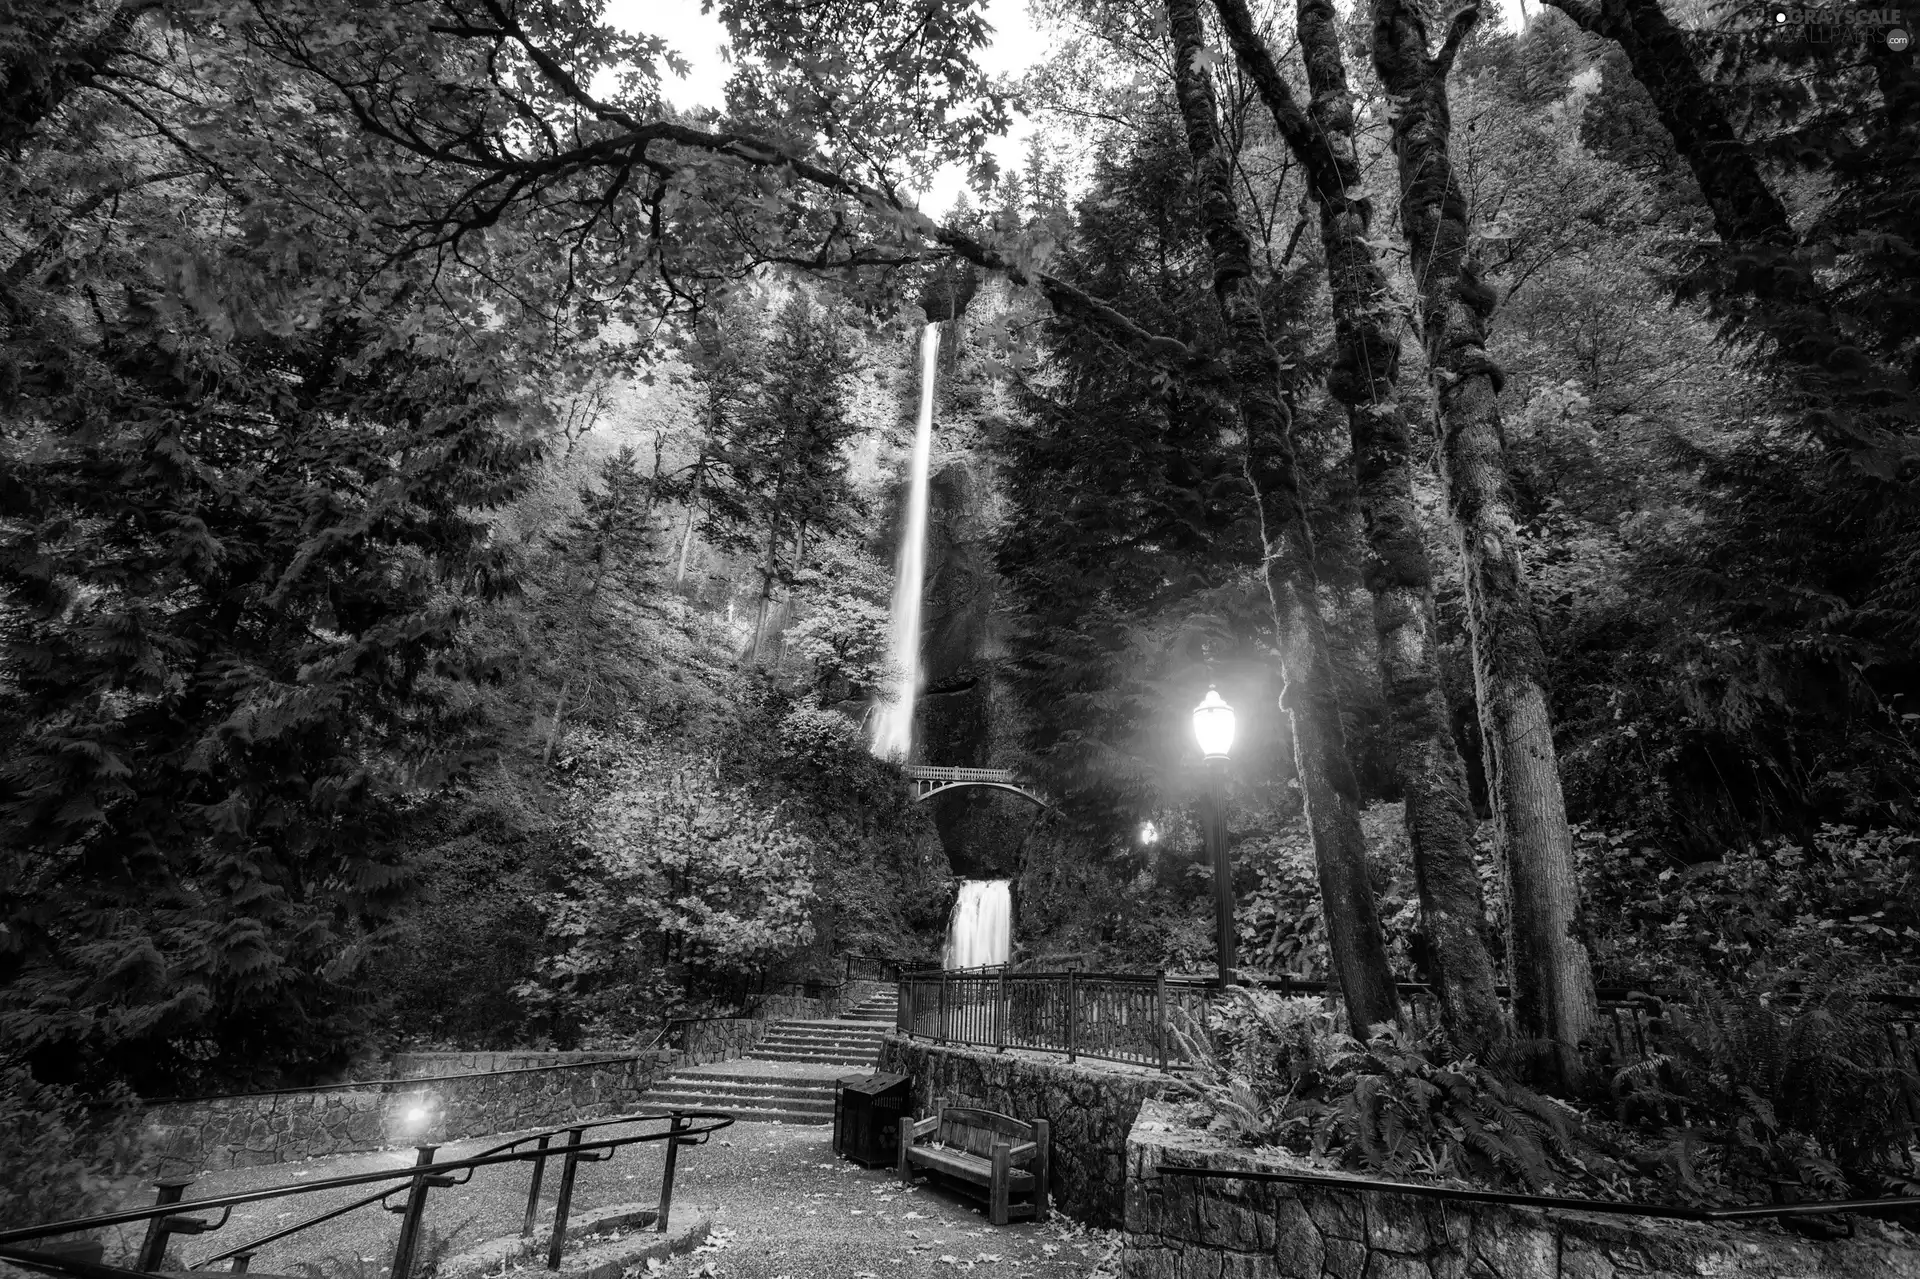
(867, 1113)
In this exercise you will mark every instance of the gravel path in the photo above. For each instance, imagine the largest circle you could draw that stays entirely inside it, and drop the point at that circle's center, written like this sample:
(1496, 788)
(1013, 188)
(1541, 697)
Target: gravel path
(783, 1206)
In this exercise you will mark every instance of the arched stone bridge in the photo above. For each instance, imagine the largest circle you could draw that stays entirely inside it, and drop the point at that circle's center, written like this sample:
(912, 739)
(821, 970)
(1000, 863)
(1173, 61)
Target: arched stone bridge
(929, 780)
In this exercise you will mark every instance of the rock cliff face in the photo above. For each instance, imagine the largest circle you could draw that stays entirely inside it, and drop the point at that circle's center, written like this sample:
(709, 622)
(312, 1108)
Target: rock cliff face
(958, 721)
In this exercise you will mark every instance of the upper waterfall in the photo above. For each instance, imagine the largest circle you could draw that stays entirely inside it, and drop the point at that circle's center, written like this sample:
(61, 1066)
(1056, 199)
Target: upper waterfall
(893, 720)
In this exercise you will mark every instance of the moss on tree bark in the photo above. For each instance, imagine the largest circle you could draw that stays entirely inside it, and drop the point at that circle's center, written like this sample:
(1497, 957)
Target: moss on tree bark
(1364, 380)
(1552, 981)
(1326, 774)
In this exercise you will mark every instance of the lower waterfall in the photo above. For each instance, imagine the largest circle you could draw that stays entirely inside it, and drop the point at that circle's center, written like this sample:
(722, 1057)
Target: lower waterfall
(980, 934)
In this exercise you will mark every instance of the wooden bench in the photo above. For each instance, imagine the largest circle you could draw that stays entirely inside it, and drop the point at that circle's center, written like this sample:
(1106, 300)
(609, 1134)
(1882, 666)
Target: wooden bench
(984, 1153)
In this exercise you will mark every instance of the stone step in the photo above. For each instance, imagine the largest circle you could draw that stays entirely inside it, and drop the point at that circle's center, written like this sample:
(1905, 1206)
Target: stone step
(811, 1035)
(762, 1115)
(836, 1024)
(786, 1105)
(794, 1054)
(677, 1089)
(816, 1045)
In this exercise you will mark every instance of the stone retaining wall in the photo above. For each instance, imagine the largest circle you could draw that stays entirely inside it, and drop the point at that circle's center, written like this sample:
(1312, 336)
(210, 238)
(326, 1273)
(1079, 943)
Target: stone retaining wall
(436, 1065)
(721, 1039)
(210, 1135)
(1089, 1108)
(1220, 1228)
(242, 1132)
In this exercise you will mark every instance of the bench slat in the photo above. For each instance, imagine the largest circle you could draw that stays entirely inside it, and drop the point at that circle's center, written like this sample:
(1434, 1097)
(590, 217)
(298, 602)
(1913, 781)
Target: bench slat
(1006, 1125)
(967, 1167)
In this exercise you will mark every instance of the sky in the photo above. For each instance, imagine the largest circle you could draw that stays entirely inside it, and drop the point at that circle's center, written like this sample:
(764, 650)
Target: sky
(698, 37)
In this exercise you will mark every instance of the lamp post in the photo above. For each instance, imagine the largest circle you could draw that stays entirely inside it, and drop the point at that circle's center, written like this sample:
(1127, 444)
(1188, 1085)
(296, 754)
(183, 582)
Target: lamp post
(1213, 726)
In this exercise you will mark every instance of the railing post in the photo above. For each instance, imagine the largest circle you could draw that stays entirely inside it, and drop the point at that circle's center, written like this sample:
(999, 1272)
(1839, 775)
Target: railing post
(1073, 1012)
(943, 1007)
(1000, 1014)
(410, 1217)
(666, 1177)
(533, 1188)
(1160, 1027)
(153, 1249)
(564, 1202)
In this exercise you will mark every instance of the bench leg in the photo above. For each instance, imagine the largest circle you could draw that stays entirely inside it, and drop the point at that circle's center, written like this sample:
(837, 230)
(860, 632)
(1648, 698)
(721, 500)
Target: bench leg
(906, 1143)
(1002, 1166)
(1043, 1164)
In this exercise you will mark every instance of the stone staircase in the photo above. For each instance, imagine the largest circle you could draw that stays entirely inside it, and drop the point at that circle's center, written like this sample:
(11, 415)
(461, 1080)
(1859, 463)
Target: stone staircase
(790, 1075)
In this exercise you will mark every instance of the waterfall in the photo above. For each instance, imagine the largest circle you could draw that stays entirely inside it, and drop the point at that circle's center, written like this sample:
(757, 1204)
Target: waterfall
(893, 725)
(980, 934)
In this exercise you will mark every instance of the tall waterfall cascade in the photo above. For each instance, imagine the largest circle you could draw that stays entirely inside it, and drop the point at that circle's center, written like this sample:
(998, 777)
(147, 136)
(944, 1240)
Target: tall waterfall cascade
(893, 718)
(980, 933)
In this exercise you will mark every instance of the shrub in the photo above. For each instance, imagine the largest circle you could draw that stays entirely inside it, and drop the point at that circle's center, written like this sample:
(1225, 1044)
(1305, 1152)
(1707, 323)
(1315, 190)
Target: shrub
(60, 1158)
(1850, 898)
(676, 878)
(1280, 1072)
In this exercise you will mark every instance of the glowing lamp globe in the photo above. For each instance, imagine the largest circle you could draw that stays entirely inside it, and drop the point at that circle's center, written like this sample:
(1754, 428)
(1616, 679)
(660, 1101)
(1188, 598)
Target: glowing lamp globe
(1213, 725)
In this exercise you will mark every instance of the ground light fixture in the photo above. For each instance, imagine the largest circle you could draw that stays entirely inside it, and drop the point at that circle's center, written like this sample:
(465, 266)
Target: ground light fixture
(1213, 728)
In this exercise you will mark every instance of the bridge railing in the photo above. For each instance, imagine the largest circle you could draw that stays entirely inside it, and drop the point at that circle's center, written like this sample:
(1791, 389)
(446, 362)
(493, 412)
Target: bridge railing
(939, 773)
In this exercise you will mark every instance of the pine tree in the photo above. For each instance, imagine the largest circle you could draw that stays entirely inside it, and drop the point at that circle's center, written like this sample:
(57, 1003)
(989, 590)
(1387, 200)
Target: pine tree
(785, 458)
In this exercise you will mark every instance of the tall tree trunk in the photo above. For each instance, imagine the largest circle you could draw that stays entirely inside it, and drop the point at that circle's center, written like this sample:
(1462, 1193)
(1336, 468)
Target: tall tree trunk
(1319, 743)
(1364, 380)
(1552, 982)
(553, 729)
(766, 591)
(686, 538)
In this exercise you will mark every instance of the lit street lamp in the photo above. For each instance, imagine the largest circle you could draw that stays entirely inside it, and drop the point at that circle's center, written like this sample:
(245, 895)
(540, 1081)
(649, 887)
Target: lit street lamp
(1213, 726)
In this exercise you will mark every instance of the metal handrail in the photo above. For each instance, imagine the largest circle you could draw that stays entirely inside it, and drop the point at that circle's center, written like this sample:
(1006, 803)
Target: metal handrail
(1132, 1016)
(1625, 1208)
(684, 1128)
(253, 1245)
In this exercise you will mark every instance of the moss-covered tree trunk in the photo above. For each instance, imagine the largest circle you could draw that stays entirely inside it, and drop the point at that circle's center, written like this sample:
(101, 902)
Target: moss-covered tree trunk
(1552, 981)
(1327, 779)
(1400, 574)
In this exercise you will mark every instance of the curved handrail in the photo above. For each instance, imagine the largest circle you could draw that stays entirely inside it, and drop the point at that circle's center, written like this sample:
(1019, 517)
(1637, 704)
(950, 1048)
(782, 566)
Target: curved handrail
(689, 1136)
(256, 1244)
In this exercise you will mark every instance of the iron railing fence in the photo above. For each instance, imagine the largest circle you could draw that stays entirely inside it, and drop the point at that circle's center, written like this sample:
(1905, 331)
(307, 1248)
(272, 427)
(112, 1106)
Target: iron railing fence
(1108, 1016)
(1130, 1017)
(870, 968)
(165, 1218)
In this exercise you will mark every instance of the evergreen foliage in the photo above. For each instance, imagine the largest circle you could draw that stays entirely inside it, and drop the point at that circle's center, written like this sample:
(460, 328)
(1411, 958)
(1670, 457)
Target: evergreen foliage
(238, 576)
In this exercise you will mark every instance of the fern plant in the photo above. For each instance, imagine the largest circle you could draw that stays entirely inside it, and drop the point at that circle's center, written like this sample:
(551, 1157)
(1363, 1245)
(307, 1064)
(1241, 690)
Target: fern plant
(1809, 1091)
(1279, 1072)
